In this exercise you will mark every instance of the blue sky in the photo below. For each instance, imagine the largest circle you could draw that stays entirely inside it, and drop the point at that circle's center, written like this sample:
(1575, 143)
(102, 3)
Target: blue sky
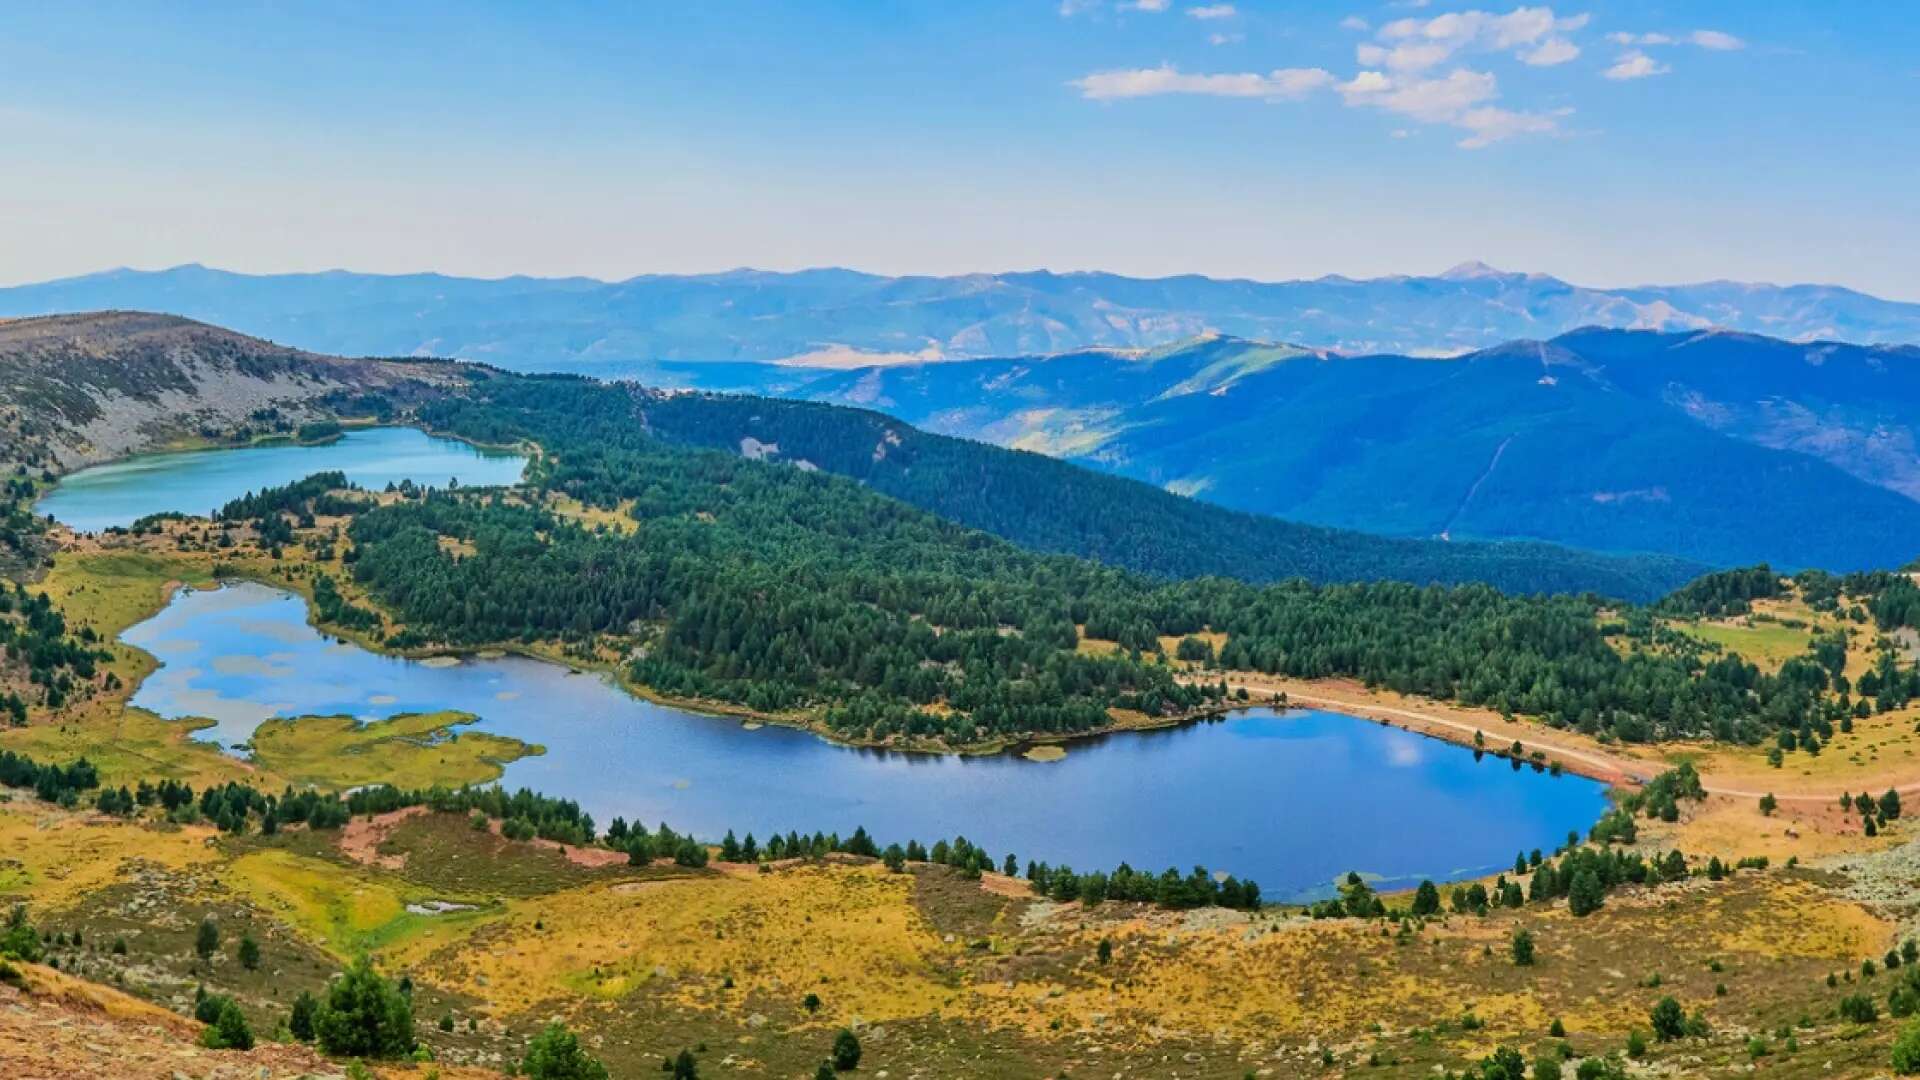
(1608, 143)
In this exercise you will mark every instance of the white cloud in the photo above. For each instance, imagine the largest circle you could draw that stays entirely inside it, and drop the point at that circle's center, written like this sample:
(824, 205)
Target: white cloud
(1279, 84)
(1490, 124)
(1619, 38)
(1070, 8)
(1635, 64)
(1460, 99)
(1150, 5)
(1432, 100)
(1535, 34)
(1716, 40)
(1399, 72)
(1225, 39)
(1550, 52)
(1367, 82)
(1412, 56)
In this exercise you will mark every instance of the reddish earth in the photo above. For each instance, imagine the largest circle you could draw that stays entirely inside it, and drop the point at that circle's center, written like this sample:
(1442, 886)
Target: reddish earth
(360, 838)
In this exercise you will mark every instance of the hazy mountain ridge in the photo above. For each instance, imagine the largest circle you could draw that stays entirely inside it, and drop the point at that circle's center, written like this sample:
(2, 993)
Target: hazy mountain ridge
(1728, 448)
(581, 324)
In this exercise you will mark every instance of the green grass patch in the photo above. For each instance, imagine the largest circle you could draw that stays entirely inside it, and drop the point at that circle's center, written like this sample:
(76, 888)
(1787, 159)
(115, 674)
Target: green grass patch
(412, 750)
(1767, 644)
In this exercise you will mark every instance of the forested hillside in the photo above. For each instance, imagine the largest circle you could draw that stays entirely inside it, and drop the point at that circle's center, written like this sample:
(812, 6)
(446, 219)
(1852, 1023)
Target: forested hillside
(1049, 505)
(79, 388)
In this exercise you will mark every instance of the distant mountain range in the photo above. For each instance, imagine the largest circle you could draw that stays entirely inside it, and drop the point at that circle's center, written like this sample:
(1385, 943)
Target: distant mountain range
(838, 317)
(1725, 448)
(1717, 446)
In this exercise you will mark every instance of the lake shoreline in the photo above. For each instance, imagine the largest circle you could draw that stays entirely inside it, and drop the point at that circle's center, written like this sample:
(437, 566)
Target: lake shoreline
(1022, 746)
(1425, 724)
(1424, 716)
(47, 501)
(1013, 745)
(617, 756)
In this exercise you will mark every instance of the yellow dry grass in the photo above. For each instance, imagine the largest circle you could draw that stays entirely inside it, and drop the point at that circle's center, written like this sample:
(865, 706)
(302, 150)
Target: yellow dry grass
(619, 519)
(1882, 751)
(849, 934)
(1284, 980)
(1734, 828)
(1170, 645)
(1088, 646)
(50, 986)
(1795, 920)
(131, 745)
(55, 857)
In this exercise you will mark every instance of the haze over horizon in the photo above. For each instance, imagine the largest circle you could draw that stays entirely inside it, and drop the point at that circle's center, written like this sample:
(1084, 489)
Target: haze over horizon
(1457, 269)
(1607, 144)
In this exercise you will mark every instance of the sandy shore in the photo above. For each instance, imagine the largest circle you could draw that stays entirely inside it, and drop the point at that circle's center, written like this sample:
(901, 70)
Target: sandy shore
(1576, 753)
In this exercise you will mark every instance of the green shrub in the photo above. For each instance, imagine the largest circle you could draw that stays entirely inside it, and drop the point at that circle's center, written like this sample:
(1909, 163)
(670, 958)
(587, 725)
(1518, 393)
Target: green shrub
(555, 1054)
(846, 1051)
(1906, 1050)
(363, 1015)
(228, 1029)
(1669, 1022)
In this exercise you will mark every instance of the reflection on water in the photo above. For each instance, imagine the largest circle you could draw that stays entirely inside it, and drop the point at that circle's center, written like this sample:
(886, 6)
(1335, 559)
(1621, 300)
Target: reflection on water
(1291, 799)
(201, 482)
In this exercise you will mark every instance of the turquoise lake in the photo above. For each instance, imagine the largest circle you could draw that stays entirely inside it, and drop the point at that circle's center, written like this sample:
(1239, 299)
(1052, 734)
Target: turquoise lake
(1290, 798)
(201, 481)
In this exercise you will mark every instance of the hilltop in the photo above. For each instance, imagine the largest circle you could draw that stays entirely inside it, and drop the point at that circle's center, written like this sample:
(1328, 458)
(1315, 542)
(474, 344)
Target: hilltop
(82, 388)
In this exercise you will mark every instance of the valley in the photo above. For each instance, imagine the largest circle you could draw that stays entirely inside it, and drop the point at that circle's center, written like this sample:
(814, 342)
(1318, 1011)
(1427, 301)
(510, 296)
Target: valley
(312, 639)
(931, 541)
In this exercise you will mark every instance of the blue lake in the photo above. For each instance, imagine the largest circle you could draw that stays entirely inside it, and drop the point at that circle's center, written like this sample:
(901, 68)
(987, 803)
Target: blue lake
(201, 481)
(1292, 799)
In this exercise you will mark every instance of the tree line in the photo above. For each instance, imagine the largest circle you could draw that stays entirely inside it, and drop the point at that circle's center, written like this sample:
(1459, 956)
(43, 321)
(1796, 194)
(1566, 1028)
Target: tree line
(238, 808)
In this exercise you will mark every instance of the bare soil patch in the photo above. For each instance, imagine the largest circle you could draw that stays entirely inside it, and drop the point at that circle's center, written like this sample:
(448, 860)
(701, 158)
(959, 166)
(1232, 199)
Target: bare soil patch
(360, 838)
